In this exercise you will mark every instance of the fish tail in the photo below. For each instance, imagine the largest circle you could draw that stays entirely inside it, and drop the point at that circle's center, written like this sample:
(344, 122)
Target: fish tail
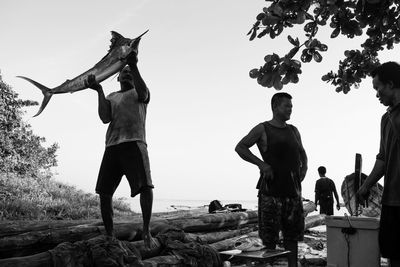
(45, 91)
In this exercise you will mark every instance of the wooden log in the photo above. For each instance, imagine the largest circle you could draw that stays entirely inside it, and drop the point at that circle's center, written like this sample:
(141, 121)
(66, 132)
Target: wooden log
(314, 220)
(40, 241)
(29, 243)
(308, 207)
(170, 260)
(228, 244)
(44, 258)
(36, 260)
(224, 240)
(9, 228)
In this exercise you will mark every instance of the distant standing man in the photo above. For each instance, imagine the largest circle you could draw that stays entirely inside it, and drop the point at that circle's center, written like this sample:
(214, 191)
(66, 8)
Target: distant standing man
(126, 148)
(386, 82)
(324, 187)
(282, 169)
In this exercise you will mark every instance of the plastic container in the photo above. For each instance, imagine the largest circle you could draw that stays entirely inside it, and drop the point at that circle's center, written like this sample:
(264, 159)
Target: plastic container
(352, 241)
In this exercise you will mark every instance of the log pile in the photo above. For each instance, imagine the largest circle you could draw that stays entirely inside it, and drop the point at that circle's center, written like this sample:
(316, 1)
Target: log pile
(78, 243)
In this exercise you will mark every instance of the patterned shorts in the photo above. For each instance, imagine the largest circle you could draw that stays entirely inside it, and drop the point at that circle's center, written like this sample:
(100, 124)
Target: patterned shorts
(280, 214)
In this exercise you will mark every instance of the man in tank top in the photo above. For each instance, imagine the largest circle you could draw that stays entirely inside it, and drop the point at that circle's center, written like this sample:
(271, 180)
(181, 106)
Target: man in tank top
(282, 169)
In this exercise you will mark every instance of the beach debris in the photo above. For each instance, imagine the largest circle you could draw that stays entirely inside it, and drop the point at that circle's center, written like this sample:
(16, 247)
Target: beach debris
(216, 206)
(219, 231)
(246, 243)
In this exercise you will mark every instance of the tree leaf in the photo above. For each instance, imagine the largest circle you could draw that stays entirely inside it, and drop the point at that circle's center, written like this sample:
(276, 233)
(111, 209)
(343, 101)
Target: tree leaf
(253, 35)
(335, 32)
(293, 52)
(291, 40)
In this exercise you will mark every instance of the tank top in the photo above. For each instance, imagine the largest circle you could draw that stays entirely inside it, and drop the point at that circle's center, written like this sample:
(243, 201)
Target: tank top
(128, 118)
(283, 155)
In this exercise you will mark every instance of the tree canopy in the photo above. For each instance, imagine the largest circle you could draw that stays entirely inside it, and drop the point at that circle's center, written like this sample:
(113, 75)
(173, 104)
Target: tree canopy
(21, 151)
(378, 19)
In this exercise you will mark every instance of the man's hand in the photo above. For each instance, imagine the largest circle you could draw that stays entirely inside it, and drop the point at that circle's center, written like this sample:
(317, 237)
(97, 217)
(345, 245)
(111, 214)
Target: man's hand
(132, 58)
(91, 83)
(362, 193)
(266, 171)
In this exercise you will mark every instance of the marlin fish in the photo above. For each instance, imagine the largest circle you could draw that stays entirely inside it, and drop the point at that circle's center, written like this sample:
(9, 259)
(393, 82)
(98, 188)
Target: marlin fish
(109, 65)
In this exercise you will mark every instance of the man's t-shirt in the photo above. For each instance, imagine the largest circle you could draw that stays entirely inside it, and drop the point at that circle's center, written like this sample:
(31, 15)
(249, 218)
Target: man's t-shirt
(324, 188)
(128, 118)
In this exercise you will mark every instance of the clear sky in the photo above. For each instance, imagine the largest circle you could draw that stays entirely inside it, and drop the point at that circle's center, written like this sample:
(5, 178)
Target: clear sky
(195, 60)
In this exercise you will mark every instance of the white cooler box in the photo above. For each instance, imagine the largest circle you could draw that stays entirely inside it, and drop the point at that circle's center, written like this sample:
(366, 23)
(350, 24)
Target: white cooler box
(352, 241)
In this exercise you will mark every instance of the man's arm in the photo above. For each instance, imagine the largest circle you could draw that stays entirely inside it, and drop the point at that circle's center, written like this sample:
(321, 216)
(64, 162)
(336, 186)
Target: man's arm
(316, 194)
(303, 156)
(376, 174)
(104, 108)
(140, 85)
(336, 195)
(243, 149)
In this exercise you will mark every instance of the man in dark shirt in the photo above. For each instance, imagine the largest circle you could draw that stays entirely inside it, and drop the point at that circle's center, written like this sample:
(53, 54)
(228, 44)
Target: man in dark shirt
(324, 187)
(282, 169)
(386, 82)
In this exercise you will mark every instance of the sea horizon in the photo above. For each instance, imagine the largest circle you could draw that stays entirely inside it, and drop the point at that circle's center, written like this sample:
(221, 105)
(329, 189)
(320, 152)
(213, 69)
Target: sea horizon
(166, 205)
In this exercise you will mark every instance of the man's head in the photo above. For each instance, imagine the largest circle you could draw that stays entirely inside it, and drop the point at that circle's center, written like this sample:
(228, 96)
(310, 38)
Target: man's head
(321, 171)
(125, 78)
(281, 104)
(386, 82)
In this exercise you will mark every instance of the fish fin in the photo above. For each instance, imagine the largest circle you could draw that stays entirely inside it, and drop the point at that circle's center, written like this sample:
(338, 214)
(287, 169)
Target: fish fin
(115, 37)
(45, 91)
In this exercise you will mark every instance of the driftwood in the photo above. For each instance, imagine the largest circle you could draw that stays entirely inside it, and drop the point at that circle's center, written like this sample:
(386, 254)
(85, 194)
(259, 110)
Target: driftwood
(18, 243)
(309, 222)
(11, 228)
(40, 241)
(46, 258)
(228, 244)
(221, 240)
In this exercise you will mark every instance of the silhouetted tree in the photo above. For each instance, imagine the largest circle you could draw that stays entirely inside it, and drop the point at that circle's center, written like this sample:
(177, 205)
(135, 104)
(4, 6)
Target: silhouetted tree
(21, 151)
(379, 19)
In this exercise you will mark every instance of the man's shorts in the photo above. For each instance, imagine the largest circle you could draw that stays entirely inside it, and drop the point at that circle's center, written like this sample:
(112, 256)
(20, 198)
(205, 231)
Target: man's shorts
(389, 232)
(280, 214)
(326, 206)
(129, 159)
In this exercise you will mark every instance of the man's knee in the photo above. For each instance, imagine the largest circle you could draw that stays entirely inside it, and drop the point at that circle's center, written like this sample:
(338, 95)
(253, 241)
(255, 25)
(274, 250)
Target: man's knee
(146, 190)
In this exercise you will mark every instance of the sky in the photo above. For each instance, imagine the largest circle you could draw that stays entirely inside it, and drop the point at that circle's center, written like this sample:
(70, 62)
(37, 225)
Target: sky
(195, 59)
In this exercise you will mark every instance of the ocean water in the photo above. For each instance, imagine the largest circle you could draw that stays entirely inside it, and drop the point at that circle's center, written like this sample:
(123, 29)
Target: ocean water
(166, 205)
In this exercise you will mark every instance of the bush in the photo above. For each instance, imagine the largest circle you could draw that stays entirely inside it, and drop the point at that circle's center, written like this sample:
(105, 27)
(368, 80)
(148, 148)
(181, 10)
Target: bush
(43, 198)
(21, 151)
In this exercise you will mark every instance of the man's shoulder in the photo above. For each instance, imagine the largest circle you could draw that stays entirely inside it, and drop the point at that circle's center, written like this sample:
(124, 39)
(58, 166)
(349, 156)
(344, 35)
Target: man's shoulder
(292, 127)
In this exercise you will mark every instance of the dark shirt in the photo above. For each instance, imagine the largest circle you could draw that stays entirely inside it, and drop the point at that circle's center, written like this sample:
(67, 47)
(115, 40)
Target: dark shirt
(283, 155)
(324, 188)
(389, 152)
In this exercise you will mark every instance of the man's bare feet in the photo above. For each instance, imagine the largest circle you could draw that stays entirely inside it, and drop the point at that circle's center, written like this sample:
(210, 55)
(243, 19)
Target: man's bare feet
(111, 238)
(149, 241)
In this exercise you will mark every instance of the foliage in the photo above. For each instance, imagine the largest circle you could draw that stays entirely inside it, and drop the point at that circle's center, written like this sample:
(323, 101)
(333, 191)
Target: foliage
(21, 151)
(379, 19)
(42, 198)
